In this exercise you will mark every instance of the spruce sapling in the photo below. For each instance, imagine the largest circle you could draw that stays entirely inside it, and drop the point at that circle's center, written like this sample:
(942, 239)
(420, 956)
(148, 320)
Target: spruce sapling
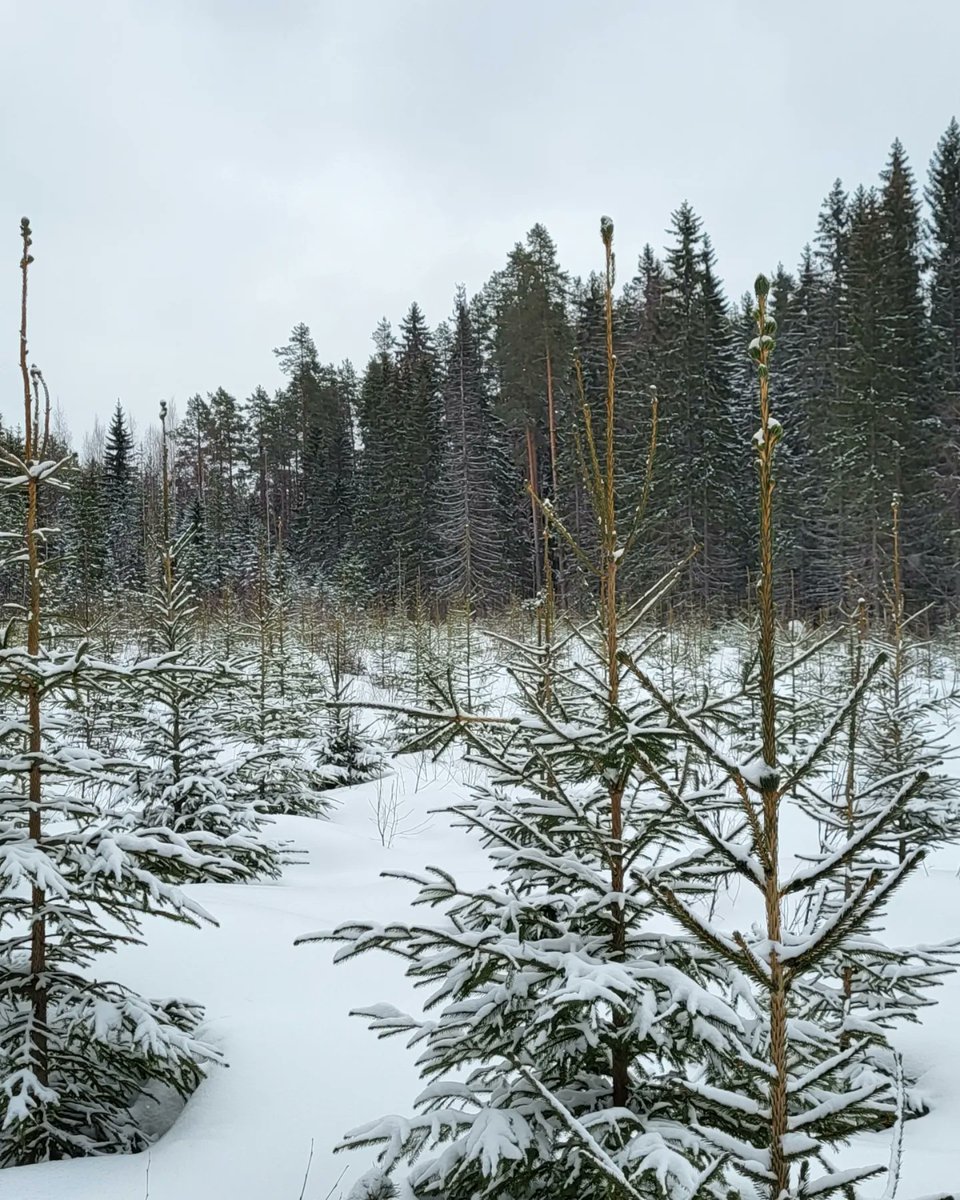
(560, 1014)
(76, 1051)
(187, 783)
(798, 1084)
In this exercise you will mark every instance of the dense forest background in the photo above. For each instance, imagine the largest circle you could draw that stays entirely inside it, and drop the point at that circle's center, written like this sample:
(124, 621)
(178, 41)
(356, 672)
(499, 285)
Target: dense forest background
(410, 481)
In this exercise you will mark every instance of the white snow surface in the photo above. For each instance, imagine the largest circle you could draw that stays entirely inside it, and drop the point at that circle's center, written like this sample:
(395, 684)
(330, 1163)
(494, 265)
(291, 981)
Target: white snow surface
(303, 1071)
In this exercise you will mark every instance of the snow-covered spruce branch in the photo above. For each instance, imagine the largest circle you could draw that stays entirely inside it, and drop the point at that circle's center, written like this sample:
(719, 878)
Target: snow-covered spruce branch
(837, 721)
(805, 877)
(734, 949)
(645, 604)
(680, 720)
(866, 898)
(593, 1148)
(726, 699)
(738, 859)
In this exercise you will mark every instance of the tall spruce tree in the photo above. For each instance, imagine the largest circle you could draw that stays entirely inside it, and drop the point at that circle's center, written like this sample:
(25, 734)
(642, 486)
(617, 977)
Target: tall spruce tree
(185, 782)
(122, 506)
(904, 363)
(699, 458)
(475, 563)
(868, 380)
(377, 527)
(822, 372)
(418, 482)
(223, 509)
(322, 399)
(803, 517)
(943, 232)
(801, 1083)
(530, 345)
(83, 540)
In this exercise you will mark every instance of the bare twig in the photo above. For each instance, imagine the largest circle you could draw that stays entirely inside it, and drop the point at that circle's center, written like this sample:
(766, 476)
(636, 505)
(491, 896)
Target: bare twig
(306, 1174)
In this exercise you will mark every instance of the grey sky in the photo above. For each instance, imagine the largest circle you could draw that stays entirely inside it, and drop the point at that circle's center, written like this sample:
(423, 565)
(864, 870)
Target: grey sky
(202, 174)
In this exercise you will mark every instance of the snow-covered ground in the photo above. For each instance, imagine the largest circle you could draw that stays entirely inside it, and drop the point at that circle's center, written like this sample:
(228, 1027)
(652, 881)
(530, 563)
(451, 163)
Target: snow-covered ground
(303, 1072)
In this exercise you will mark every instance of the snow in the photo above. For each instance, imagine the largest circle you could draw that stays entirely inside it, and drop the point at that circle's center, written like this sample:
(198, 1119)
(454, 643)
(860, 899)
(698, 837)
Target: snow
(300, 1068)
(759, 774)
(302, 1072)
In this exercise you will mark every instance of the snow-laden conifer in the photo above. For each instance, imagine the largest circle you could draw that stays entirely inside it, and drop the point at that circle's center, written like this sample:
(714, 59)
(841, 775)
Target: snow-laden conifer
(274, 717)
(890, 736)
(475, 476)
(559, 1015)
(908, 716)
(347, 751)
(189, 781)
(802, 1082)
(77, 1052)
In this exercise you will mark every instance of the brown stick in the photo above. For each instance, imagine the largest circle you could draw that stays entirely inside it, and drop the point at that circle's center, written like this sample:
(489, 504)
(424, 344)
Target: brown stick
(898, 665)
(857, 635)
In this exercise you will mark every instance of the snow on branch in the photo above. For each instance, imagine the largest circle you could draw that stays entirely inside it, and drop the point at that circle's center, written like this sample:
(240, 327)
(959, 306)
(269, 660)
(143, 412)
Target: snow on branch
(843, 854)
(822, 744)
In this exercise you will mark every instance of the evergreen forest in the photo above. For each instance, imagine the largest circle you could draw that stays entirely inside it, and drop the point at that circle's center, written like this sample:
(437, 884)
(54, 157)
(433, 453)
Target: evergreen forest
(418, 476)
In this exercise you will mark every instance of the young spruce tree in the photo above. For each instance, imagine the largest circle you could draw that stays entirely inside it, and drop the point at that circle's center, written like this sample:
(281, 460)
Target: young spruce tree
(802, 1082)
(559, 1014)
(76, 1052)
(189, 781)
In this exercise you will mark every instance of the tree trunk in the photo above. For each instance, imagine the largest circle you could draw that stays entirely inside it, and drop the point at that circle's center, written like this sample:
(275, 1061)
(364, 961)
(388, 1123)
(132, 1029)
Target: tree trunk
(534, 494)
(38, 926)
(770, 795)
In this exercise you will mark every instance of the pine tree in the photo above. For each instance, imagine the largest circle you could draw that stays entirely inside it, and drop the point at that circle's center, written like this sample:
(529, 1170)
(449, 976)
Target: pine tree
(904, 364)
(378, 521)
(803, 516)
(814, 371)
(886, 741)
(83, 540)
(322, 397)
(224, 511)
(285, 772)
(271, 459)
(347, 754)
(418, 486)
(902, 732)
(695, 504)
(866, 460)
(643, 316)
(529, 351)
(185, 783)
(799, 1084)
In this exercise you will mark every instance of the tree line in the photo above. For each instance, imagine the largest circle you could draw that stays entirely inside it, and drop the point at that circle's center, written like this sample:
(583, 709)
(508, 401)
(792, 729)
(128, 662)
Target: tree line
(422, 478)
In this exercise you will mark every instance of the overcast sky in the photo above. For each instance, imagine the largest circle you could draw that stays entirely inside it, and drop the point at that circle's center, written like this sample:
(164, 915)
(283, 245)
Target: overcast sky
(202, 174)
